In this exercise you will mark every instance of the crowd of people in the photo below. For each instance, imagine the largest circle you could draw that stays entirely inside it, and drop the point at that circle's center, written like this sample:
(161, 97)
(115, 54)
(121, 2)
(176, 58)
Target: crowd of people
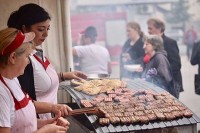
(158, 56)
(29, 82)
(161, 65)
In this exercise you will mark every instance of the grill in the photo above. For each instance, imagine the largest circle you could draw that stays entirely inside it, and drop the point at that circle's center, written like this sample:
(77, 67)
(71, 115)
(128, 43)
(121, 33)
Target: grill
(138, 85)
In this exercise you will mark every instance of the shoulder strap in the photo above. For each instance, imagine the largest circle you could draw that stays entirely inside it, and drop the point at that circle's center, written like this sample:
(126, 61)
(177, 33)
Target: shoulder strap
(44, 64)
(18, 104)
(2, 80)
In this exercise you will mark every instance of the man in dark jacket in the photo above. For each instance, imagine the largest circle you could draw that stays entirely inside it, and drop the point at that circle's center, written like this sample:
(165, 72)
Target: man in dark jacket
(195, 60)
(157, 27)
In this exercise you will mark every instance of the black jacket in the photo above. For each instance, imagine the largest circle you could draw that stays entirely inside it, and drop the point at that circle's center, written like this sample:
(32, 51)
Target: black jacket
(174, 59)
(136, 53)
(195, 58)
(158, 70)
(27, 81)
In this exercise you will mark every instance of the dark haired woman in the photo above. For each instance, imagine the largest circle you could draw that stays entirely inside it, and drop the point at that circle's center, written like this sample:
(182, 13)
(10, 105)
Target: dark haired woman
(40, 79)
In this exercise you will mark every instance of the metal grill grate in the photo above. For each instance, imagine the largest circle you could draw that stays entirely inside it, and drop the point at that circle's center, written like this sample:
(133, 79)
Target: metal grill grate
(133, 84)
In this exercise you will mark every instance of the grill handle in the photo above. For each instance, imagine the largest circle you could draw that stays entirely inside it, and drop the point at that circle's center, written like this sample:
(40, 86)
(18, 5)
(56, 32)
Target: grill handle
(84, 110)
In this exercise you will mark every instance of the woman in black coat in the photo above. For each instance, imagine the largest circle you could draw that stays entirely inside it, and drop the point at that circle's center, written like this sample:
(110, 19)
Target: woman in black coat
(132, 51)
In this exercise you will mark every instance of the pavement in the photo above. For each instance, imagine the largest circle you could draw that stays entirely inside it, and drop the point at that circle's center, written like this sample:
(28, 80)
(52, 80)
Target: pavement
(188, 97)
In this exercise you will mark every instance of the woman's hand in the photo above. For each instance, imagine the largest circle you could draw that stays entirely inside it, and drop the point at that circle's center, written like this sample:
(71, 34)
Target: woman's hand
(64, 109)
(126, 57)
(74, 75)
(44, 107)
(62, 122)
(53, 125)
(52, 128)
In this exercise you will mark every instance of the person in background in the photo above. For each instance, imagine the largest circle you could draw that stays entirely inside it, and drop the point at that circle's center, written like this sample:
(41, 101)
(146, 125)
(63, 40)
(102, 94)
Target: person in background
(195, 60)
(76, 59)
(40, 80)
(157, 70)
(18, 112)
(95, 59)
(190, 39)
(132, 51)
(157, 27)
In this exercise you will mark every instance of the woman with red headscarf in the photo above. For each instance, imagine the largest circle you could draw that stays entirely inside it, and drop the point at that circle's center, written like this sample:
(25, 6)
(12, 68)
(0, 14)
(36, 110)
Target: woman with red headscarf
(17, 112)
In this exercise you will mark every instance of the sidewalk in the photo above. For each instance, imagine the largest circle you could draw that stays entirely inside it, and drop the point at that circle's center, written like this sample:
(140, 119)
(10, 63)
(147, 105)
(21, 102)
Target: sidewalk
(188, 97)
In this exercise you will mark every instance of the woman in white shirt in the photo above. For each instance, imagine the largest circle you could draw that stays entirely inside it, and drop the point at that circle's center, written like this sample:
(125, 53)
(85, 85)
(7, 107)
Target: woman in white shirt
(17, 112)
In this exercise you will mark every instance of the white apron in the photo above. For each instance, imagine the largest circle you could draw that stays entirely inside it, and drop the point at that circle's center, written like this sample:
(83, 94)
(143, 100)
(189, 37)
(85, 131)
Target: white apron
(50, 94)
(25, 114)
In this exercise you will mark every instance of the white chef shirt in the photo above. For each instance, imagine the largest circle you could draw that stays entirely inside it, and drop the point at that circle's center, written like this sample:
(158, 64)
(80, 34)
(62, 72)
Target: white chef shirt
(94, 58)
(7, 109)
